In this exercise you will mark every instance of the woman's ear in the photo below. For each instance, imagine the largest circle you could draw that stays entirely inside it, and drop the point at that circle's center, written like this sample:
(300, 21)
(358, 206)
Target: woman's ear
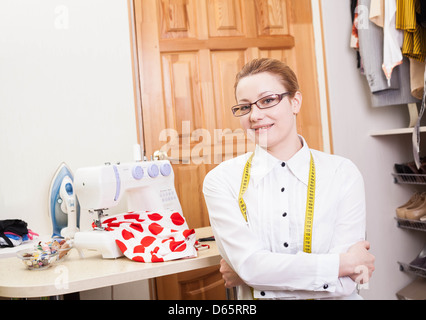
(296, 102)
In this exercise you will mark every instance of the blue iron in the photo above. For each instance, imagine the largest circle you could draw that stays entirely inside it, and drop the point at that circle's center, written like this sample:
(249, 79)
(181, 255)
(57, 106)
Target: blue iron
(64, 209)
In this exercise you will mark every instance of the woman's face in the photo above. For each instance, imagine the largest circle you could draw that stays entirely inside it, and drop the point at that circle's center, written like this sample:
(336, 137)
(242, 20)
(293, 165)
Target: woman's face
(273, 127)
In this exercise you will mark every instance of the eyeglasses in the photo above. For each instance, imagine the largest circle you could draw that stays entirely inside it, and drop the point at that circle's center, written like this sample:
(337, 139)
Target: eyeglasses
(263, 103)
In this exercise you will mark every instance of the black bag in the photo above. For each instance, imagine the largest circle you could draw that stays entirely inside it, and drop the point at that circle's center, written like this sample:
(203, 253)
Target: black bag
(16, 226)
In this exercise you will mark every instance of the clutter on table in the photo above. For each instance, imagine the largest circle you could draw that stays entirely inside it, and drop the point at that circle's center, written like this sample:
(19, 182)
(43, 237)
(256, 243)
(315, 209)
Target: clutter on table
(45, 254)
(14, 232)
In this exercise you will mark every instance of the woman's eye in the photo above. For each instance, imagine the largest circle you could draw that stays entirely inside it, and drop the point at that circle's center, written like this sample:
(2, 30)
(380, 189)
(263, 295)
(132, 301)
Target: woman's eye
(267, 101)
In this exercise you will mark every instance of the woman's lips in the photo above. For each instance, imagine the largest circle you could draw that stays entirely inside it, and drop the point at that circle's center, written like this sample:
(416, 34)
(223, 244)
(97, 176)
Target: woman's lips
(260, 129)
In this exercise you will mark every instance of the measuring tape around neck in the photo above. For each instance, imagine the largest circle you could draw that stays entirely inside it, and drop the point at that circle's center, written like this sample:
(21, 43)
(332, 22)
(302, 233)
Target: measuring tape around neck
(309, 213)
(244, 185)
(310, 200)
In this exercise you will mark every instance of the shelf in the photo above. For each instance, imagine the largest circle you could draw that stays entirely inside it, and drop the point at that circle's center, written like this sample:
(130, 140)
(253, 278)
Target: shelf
(389, 132)
(406, 178)
(414, 117)
(411, 224)
(412, 269)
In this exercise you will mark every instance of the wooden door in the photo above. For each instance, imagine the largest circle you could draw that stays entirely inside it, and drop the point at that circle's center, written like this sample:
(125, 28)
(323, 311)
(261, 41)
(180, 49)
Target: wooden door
(189, 52)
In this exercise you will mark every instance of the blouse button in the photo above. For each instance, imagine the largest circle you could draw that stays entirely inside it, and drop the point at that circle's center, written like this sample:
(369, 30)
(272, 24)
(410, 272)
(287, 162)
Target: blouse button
(285, 244)
(284, 214)
(262, 293)
(282, 189)
(282, 164)
(325, 286)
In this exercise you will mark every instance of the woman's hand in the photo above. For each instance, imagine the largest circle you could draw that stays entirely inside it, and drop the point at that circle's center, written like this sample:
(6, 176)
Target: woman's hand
(230, 276)
(357, 262)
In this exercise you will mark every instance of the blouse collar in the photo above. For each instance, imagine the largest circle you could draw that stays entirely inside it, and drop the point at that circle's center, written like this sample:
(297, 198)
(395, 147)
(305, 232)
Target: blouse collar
(263, 162)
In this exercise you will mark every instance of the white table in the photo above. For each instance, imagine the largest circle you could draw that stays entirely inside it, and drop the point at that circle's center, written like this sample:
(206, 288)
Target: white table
(76, 274)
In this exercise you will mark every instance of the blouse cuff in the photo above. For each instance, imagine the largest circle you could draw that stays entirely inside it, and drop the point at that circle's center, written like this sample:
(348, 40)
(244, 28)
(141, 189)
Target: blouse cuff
(327, 273)
(326, 280)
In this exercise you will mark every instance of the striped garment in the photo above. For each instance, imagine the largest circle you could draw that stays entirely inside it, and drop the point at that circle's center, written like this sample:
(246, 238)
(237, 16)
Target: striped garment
(414, 45)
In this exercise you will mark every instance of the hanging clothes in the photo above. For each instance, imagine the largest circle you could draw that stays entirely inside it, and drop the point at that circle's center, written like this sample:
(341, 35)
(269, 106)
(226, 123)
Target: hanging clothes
(392, 42)
(414, 45)
(384, 17)
(371, 51)
(354, 42)
(371, 39)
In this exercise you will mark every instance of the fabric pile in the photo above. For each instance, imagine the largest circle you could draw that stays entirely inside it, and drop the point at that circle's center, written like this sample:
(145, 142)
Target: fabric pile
(14, 232)
(152, 236)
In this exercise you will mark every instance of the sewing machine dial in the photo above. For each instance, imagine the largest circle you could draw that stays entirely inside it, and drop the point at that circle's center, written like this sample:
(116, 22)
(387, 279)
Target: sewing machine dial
(153, 170)
(165, 169)
(137, 172)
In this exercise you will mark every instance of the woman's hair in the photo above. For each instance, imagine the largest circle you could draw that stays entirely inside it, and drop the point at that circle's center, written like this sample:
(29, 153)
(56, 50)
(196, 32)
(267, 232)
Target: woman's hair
(273, 66)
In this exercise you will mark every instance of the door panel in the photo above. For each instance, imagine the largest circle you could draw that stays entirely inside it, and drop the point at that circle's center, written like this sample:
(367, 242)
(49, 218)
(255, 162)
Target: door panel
(177, 19)
(182, 95)
(225, 63)
(192, 285)
(188, 54)
(271, 17)
(225, 18)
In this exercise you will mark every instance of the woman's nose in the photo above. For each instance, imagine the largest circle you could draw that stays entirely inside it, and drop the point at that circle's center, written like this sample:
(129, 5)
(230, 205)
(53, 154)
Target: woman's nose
(256, 113)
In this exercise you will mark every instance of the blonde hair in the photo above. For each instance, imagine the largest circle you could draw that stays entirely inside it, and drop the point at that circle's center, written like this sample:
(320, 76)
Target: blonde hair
(273, 66)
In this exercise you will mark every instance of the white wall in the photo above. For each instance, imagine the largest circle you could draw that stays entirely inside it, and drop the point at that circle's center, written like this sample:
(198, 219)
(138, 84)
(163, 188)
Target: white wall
(352, 118)
(66, 94)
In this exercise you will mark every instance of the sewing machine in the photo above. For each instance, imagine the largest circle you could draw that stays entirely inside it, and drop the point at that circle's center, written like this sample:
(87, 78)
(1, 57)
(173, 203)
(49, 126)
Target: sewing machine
(147, 185)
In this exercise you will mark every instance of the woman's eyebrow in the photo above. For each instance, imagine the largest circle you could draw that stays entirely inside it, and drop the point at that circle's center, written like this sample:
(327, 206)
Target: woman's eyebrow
(259, 96)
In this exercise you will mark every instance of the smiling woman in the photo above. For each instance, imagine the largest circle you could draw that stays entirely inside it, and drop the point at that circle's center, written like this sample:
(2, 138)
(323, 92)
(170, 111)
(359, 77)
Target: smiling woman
(273, 126)
(288, 220)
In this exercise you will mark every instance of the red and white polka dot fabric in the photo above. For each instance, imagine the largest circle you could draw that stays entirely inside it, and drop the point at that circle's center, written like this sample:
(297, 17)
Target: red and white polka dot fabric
(146, 236)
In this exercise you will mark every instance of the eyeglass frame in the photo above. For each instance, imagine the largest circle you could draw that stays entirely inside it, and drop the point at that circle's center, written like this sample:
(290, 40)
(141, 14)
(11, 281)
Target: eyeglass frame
(281, 97)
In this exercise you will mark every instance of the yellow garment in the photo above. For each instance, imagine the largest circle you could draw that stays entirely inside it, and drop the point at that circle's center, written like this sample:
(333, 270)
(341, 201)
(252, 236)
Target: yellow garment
(414, 45)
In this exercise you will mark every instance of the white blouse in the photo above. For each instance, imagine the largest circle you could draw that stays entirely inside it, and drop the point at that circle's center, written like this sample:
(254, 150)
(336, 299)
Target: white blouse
(267, 251)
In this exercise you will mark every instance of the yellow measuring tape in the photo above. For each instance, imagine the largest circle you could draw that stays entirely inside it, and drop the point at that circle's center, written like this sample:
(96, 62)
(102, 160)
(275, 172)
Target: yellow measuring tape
(243, 187)
(309, 214)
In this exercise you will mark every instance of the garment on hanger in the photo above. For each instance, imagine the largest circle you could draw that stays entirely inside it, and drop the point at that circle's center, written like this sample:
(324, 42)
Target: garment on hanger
(414, 45)
(371, 52)
(402, 95)
(377, 12)
(393, 40)
(354, 43)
